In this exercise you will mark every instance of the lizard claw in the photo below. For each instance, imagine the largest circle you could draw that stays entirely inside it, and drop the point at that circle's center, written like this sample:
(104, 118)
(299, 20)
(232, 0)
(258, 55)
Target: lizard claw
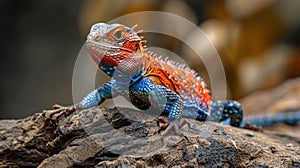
(248, 126)
(58, 110)
(166, 126)
(56, 106)
(174, 126)
(162, 123)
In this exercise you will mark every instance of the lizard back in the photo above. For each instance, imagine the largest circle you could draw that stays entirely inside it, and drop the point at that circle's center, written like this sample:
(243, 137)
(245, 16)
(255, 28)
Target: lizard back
(178, 78)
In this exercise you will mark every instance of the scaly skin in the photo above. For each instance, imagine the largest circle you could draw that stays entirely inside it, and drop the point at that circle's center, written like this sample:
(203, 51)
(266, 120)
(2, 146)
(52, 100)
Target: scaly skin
(148, 80)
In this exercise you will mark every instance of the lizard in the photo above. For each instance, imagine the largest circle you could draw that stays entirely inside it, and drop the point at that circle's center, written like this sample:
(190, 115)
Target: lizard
(147, 79)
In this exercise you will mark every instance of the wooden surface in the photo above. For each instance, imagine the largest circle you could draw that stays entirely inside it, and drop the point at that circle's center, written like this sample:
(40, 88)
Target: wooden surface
(123, 137)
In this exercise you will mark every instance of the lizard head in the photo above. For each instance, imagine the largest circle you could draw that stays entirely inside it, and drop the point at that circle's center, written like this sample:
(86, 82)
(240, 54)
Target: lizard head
(115, 46)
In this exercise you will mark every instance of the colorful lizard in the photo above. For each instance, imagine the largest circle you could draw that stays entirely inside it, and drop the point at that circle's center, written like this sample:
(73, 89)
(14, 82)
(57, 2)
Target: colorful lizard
(148, 80)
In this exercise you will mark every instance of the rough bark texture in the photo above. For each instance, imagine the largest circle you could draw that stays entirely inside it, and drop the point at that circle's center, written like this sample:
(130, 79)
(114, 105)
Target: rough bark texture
(107, 138)
(122, 137)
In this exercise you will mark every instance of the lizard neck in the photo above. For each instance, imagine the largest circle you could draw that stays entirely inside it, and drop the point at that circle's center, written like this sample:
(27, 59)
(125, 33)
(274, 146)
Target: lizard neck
(127, 71)
(107, 68)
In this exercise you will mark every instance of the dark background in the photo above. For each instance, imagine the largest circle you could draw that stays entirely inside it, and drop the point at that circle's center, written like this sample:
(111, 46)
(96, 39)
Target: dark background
(41, 39)
(39, 42)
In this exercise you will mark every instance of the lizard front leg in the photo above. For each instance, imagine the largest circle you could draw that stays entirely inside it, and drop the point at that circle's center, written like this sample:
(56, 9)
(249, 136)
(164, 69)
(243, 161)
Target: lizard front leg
(173, 107)
(96, 97)
(145, 93)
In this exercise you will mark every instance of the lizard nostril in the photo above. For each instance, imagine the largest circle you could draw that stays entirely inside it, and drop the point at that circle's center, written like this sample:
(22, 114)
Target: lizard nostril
(94, 36)
(97, 37)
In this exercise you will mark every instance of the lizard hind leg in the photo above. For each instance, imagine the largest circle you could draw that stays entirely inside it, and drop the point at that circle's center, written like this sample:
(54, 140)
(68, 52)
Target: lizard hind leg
(226, 112)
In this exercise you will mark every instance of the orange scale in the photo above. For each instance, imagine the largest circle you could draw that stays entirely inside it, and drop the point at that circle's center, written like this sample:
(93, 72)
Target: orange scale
(178, 79)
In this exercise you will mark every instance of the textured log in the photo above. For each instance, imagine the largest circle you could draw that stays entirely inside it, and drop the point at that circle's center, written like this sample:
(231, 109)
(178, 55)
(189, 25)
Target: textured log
(124, 137)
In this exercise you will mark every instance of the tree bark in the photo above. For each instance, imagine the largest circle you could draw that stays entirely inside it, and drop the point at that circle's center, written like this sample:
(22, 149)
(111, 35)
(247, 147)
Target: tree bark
(123, 137)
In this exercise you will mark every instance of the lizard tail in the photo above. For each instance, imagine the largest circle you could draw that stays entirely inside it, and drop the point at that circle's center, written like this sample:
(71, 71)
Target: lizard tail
(290, 118)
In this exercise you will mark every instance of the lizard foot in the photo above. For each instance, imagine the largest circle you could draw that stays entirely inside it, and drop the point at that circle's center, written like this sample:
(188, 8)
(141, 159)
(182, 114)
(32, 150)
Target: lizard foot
(162, 123)
(58, 110)
(248, 126)
(166, 127)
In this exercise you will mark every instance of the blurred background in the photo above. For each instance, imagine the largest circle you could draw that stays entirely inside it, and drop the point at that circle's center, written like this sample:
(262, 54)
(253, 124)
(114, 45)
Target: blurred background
(258, 42)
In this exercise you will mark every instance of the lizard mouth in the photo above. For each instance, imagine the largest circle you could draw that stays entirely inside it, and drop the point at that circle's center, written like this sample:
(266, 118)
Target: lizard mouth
(98, 50)
(92, 50)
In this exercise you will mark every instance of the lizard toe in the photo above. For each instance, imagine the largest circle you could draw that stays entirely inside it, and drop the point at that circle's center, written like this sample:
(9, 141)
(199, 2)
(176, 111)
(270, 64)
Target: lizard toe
(57, 112)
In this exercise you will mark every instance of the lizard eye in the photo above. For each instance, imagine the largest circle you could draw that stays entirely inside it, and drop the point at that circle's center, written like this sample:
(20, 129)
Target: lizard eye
(117, 34)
